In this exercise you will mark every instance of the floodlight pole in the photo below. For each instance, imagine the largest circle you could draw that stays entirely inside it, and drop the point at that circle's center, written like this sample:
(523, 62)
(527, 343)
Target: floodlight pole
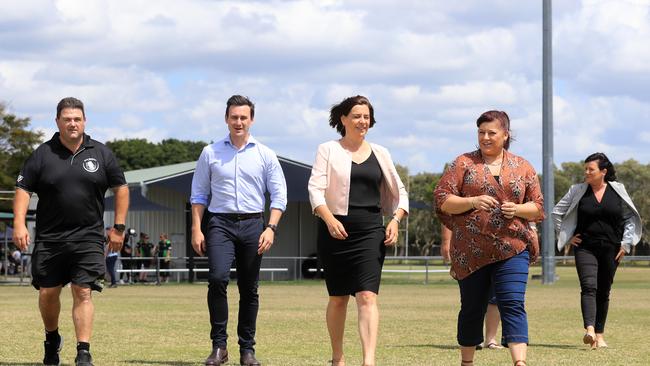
(548, 231)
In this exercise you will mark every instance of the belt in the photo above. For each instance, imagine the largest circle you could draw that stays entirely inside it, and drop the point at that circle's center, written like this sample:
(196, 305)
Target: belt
(240, 216)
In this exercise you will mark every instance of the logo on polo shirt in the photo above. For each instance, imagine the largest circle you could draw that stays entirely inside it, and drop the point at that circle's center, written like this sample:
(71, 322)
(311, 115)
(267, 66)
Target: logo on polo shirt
(91, 165)
(20, 178)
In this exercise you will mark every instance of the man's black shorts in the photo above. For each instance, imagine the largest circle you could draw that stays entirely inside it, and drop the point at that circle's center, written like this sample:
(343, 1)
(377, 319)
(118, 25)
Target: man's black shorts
(58, 263)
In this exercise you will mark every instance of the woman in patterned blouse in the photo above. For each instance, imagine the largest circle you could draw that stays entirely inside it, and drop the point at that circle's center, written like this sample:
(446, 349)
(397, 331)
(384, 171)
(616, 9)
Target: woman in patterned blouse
(486, 197)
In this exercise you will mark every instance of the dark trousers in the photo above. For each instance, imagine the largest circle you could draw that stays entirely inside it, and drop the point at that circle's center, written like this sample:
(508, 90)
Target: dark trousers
(596, 265)
(127, 264)
(228, 240)
(110, 268)
(509, 278)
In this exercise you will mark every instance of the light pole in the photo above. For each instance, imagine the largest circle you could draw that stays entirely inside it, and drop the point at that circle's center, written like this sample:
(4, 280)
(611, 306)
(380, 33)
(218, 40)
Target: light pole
(548, 232)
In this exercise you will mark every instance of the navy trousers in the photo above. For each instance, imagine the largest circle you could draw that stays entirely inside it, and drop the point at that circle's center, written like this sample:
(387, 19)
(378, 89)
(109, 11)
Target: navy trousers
(227, 240)
(509, 278)
(110, 268)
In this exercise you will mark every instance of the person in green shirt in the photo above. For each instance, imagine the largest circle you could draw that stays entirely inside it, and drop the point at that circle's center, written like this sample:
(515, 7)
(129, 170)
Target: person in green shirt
(144, 249)
(164, 253)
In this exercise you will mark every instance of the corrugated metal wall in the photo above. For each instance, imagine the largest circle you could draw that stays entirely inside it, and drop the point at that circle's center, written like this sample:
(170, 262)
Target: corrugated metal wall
(156, 222)
(296, 233)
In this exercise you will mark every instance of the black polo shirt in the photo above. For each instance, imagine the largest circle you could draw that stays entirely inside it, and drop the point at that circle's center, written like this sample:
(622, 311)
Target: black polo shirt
(70, 188)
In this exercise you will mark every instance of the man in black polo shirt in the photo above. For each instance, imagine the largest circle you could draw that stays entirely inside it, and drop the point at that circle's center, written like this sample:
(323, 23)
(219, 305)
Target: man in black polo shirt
(70, 174)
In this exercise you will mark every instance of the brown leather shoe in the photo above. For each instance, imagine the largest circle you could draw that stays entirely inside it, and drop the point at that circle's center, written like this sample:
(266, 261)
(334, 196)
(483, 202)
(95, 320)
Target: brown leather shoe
(248, 359)
(218, 357)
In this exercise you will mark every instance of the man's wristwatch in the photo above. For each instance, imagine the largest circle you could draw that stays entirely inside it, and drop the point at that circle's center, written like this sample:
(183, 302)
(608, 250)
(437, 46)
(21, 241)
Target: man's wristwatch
(272, 227)
(119, 227)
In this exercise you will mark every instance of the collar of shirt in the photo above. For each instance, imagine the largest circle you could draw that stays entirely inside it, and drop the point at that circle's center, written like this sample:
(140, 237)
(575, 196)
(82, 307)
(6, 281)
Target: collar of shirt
(56, 140)
(251, 142)
(235, 180)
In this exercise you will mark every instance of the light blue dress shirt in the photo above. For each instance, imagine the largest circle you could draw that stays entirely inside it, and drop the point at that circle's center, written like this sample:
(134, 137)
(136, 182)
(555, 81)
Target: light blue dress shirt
(235, 180)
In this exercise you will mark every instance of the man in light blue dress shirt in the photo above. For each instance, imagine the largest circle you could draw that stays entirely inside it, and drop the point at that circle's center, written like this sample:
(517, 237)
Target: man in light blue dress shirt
(231, 178)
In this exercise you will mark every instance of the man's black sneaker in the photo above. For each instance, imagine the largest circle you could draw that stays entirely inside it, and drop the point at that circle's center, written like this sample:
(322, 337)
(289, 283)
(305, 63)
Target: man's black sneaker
(83, 358)
(52, 350)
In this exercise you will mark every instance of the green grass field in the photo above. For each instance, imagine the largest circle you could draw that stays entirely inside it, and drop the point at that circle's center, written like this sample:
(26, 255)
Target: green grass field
(168, 325)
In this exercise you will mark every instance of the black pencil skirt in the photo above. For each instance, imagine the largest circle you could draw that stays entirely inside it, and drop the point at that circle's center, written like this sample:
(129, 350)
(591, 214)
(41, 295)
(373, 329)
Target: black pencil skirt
(353, 264)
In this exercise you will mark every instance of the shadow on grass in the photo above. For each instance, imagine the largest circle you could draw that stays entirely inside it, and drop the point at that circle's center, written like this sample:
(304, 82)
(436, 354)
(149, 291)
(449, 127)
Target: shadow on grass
(136, 362)
(149, 362)
(432, 346)
(453, 347)
(558, 346)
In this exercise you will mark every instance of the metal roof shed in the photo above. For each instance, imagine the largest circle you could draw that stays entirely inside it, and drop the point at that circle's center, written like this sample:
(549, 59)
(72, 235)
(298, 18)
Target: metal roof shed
(160, 200)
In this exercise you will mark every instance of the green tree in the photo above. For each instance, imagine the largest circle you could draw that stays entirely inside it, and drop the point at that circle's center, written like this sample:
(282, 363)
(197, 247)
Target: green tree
(570, 173)
(140, 154)
(176, 151)
(16, 144)
(635, 176)
(424, 226)
(136, 153)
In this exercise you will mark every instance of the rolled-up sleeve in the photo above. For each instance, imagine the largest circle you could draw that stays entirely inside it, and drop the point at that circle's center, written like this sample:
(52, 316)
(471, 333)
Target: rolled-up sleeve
(275, 183)
(318, 179)
(201, 179)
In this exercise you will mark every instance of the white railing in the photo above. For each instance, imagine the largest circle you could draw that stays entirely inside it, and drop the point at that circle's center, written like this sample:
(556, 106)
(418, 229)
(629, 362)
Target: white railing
(283, 268)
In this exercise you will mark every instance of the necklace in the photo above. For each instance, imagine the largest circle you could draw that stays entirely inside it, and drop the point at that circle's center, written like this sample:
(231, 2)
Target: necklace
(496, 162)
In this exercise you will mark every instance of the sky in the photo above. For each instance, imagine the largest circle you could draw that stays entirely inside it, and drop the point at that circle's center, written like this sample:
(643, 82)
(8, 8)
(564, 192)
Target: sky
(164, 69)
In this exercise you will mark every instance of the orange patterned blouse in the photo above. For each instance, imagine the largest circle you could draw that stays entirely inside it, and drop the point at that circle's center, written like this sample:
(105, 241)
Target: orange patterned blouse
(481, 237)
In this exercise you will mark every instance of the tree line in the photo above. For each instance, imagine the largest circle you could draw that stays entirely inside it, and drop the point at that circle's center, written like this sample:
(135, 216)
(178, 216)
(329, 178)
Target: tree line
(140, 154)
(17, 141)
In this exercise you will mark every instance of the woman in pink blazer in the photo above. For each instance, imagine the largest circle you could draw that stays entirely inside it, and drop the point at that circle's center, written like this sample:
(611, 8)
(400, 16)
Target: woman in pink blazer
(353, 184)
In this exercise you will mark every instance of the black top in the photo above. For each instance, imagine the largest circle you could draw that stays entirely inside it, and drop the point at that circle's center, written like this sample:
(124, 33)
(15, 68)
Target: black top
(144, 248)
(365, 180)
(600, 221)
(126, 249)
(70, 188)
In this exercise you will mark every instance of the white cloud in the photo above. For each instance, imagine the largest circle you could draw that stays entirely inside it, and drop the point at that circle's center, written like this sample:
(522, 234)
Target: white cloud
(645, 137)
(603, 48)
(130, 121)
(165, 69)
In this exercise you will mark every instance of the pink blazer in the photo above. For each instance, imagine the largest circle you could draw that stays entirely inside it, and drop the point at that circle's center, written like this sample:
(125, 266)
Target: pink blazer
(329, 183)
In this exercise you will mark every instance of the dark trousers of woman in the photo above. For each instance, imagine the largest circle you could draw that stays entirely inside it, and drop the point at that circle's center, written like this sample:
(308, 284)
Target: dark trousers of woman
(230, 239)
(110, 268)
(596, 265)
(509, 278)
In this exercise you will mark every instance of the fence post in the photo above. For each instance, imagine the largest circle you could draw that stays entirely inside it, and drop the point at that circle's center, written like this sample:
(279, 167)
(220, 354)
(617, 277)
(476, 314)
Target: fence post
(157, 270)
(426, 270)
